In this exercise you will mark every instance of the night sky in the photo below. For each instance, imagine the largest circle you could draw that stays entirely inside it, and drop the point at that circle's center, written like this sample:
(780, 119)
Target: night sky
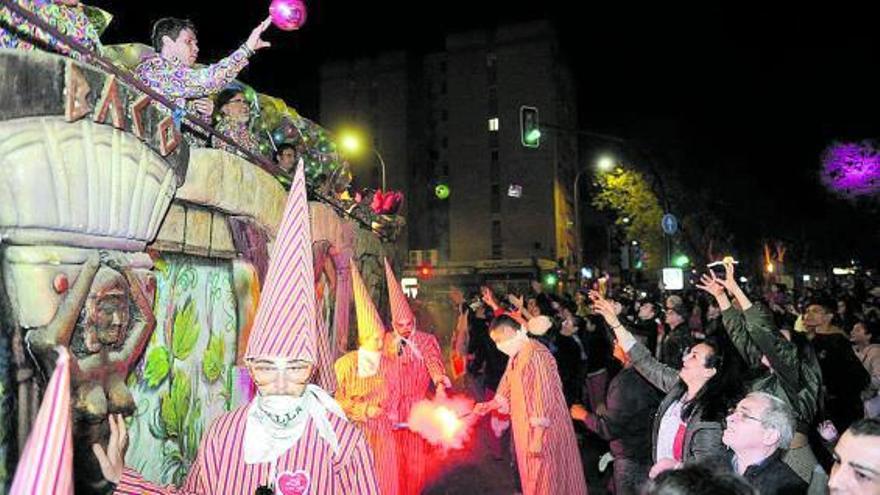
(735, 101)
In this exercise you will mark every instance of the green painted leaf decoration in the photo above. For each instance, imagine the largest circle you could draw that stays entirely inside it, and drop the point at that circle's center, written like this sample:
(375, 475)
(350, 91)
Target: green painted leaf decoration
(186, 330)
(212, 364)
(176, 403)
(158, 366)
(168, 415)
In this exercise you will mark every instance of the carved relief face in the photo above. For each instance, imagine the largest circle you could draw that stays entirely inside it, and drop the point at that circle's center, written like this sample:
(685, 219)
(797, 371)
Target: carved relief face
(108, 315)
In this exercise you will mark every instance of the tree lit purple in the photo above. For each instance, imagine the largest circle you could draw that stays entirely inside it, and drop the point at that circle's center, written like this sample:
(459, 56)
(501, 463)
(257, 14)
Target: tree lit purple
(852, 169)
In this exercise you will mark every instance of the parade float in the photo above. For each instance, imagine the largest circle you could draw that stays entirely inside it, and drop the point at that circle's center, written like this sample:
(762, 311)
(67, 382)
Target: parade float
(143, 255)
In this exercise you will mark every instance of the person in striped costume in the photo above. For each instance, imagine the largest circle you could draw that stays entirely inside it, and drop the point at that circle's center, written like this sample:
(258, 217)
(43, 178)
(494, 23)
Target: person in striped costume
(531, 391)
(292, 438)
(363, 388)
(46, 463)
(414, 363)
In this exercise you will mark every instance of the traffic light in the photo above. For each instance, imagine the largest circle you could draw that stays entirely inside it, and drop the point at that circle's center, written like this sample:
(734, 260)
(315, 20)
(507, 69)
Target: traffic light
(681, 261)
(442, 190)
(425, 271)
(530, 131)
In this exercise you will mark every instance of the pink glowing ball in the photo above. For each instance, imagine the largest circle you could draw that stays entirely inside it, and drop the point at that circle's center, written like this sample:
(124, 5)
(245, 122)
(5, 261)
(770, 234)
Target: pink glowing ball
(288, 15)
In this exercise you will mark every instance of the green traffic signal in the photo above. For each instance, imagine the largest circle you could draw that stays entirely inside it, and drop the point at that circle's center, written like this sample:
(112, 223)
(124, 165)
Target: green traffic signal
(533, 137)
(530, 130)
(442, 191)
(681, 261)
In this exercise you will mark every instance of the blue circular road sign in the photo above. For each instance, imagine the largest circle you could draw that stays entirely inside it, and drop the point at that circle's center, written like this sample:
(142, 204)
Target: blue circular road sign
(669, 224)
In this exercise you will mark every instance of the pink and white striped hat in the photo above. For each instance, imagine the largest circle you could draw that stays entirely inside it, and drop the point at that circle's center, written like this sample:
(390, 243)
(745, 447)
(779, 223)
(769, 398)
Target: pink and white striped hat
(401, 314)
(46, 464)
(285, 323)
(369, 322)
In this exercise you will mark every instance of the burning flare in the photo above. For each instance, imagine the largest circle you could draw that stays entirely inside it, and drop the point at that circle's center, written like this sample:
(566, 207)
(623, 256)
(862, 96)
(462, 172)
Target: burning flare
(443, 421)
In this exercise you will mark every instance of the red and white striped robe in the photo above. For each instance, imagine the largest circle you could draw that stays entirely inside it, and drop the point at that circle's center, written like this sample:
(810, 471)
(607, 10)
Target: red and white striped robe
(355, 395)
(532, 387)
(413, 377)
(219, 468)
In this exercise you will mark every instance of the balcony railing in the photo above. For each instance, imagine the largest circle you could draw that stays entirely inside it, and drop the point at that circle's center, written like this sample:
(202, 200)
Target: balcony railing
(194, 120)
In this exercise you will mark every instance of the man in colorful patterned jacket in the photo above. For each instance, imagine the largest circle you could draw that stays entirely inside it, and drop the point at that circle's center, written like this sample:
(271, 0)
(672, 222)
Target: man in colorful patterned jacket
(171, 72)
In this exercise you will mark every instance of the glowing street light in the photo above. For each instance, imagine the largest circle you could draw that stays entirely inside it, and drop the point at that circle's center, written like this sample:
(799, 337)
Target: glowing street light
(605, 164)
(352, 142)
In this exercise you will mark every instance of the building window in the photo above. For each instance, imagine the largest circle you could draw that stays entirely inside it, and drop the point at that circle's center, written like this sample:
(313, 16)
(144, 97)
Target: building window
(495, 199)
(496, 239)
(443, 88)
(493, 124)
(444, 115)
(444, 143)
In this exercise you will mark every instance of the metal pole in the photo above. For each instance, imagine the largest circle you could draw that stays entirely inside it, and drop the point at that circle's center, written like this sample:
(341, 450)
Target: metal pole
(382, 164)
(577, 219)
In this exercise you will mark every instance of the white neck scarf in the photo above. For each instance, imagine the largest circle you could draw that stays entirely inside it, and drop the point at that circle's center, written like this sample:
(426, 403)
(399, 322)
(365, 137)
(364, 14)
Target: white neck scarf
(266, 439)
(368, 363)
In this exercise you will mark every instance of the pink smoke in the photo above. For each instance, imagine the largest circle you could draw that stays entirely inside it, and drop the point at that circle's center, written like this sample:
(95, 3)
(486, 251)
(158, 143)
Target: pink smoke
(443, 421)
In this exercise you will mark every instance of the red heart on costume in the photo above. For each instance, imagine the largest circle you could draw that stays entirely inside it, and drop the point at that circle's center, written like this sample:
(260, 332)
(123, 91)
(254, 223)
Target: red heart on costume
(296, 483)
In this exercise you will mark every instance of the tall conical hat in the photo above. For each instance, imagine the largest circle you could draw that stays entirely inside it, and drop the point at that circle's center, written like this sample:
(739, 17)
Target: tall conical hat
(369, 323)
(401, 314)
(46, 464)
(285, 323)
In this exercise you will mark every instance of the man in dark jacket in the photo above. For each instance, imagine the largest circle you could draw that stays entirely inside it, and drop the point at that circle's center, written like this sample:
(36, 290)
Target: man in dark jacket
(645, 326)
(626, 424)
(758, 431)
(776, 365)
(843, 376)
(677, 338)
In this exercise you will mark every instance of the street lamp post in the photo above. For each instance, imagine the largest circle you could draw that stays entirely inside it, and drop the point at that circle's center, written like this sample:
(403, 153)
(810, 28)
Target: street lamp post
(577, 219)
(382, 165)
(605, 164)
(352, 142)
